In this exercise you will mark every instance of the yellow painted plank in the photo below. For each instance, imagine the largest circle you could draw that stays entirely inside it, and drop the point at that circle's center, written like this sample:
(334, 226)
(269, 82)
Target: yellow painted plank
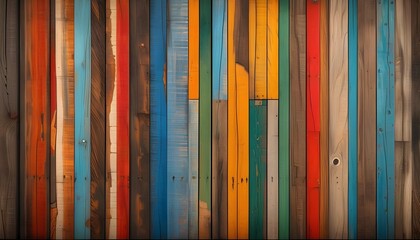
(273, 49)
(193, 49)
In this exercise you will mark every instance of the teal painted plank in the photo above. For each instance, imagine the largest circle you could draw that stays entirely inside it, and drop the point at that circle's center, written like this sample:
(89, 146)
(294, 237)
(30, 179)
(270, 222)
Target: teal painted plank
(205, 121)
(178, 165)
(284, 110)
(219, 50)
(193, 168)
(385, 119)
(82, 63)
(352, 201)
(257, 169)
(158, 120)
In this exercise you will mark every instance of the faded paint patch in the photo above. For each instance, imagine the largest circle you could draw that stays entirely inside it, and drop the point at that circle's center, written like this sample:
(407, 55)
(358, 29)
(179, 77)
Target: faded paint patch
(204, 219)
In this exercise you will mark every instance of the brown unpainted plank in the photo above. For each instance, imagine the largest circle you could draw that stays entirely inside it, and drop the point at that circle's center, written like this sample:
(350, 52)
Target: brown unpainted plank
(366, 216)
(403, 153)
(139, 119)
(98, 120)
(9, 72)
(219, 168)
(298, 119)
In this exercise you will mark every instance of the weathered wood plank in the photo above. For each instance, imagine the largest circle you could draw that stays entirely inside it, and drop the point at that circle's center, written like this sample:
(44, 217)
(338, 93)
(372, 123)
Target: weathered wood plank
(338, 120)
(193, 49)
(204, 194)
(298, 119)
(312, 118)
(219, 119)
(139, 120)
(272, 50)
(193, 110)
(403, 147)
(35, 122)
(366, 219)
(353, 118)
(178, 167)
(9, 115)
(238, 112)
(284, 121)
(272, 169)
(158, 120)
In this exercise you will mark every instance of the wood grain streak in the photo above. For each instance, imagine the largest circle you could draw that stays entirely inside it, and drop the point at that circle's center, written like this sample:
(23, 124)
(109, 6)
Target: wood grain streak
(272, 169)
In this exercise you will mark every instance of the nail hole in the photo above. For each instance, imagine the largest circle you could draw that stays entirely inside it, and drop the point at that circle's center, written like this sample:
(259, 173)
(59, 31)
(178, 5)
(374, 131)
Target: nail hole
(336, 161)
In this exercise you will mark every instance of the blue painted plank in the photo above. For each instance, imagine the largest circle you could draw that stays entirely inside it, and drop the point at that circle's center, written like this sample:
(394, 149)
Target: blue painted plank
(193, 168)
(178, 165)
(352, 201)
(82, 63)
(158, 120)
(385, 120)
(219, 49)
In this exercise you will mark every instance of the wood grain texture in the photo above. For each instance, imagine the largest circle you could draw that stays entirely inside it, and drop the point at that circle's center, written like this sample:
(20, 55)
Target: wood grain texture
(312, 118)
(35, 69)
(324, 115)
(415, 51)
(338, 120)
(284, 118)
(366, 203)
(385, 135)
(139, 119)
(219, 119)
(204, 192)
(258, 49)
(272, 49)
(298, 119)
(193, 49)
(178, 167)
(9, 115)
(272, 169)
(403, 147)
(238, 112)
(353, 120)
(64, 40)
(158, 120)
(193, 110)
(98, 120)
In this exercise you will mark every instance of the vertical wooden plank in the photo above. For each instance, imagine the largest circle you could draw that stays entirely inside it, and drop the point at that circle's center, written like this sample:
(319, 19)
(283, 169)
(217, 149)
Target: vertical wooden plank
(312, 118)
(352, 128)
(35, 110)
(403, 152)
(366, 202)
(158, 120)
(178, 167)
(257, 169)
(298, 119)
(284, 113)
(204, 192)
(193, 49)
(139, 120)
(338, 120)
(272, 169)
(415, 34)
(193, 109)
(219, 119)
(9, 113)
(385, 170)
(324, 115)
(272, 49)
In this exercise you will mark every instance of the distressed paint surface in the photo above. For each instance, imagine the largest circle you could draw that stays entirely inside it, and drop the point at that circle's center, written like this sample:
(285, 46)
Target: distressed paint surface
(338, 120)
(258, 169)
(272, 49)
(193, 49)
(219, 48)
(272, 169)
(178, 165)
(193, 110)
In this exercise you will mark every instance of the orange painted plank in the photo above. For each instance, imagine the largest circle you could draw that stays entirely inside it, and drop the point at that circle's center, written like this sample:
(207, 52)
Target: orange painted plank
(193, 49)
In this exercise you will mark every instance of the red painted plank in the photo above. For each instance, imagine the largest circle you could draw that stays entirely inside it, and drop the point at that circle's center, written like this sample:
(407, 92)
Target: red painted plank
(313, 118)
(122, 57)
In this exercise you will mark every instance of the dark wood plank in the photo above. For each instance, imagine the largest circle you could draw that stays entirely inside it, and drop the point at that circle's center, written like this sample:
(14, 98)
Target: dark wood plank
(366, 217)
(298, 119)
(139, 119)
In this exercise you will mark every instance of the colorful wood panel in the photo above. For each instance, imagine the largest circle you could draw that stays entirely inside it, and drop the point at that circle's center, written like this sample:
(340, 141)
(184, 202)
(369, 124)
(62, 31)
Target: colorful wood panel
(219, 120)
(338, 120)
(297, 119)
(9, 115)
(272, 169)
(178, 167)
(193, 49)
(366, 160)
(193, 110)
(272, 49)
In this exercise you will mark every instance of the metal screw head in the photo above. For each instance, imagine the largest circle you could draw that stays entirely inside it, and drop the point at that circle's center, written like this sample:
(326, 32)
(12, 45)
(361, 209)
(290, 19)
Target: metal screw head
(83, 141)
